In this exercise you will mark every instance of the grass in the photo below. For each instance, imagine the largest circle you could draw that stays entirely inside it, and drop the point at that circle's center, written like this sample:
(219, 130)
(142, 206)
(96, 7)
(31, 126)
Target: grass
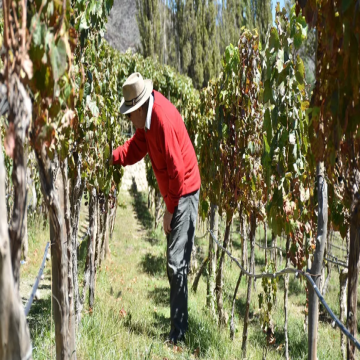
(130, 319)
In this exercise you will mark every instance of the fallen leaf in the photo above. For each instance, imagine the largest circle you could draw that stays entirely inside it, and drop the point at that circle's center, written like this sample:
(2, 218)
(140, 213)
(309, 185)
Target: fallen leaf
(197, 352)
(177, 349)
(272, 340)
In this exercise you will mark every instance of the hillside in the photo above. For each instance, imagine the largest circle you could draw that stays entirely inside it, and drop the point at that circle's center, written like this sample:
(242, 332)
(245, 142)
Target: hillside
(122, 30)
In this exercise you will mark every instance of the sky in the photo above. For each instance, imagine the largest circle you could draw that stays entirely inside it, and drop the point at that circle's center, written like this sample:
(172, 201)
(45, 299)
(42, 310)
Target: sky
(274, 6)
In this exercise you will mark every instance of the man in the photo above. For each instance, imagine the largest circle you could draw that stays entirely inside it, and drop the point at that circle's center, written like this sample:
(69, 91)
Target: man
(160, 131)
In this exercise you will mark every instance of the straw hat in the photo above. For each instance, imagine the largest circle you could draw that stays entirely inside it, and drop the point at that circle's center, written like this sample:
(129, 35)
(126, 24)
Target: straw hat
(136, 91)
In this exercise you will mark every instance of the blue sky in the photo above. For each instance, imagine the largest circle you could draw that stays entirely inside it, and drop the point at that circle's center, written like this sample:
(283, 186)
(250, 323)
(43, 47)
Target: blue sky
(274, 6)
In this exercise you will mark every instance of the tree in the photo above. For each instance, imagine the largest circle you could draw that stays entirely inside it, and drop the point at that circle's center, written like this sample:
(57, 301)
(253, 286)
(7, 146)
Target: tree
(186, 38)
(306, 51)
(262, 18)
(148, 19)
(234, 15)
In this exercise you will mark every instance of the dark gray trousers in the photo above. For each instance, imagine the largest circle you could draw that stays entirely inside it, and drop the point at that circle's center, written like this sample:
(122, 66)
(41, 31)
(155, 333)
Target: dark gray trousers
(179, 245)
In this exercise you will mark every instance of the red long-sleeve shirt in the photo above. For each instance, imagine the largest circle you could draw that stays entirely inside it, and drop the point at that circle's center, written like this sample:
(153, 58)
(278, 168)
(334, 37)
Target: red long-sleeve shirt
(170, 149)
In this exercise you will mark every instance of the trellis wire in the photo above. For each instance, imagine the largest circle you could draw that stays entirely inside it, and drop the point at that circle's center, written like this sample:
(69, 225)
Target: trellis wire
(307, 275)
(270, 248)
(338, 247)
(335, 261)
(201, 237)
(36, 284)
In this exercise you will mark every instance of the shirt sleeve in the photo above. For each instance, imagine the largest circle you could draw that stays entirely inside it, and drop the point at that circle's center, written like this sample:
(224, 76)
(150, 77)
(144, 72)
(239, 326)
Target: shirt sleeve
(174, 163)
(132, 151)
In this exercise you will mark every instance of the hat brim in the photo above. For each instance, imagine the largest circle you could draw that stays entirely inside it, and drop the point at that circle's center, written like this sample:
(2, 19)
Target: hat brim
(126, 109)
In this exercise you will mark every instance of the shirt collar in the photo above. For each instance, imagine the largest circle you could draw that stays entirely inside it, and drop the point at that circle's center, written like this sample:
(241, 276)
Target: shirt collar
(148, 116)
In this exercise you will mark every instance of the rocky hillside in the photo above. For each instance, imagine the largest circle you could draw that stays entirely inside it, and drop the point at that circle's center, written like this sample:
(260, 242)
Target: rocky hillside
(122, 30)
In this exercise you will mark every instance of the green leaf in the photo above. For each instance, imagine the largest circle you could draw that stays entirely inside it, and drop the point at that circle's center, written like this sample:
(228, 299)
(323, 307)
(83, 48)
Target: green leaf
(93, 108)
(299, 36)
(58, 59)
(283, 74)
(117, 175)
(266, 146)
(50, 8)
(300, 71)
(267, 125)
(106, 152)
(280, 60)
(267, 91)
(83, 22)
(304, 105)
(92, 7)
(109, 4)
(36, 25)
(224, 131)
(274, 42)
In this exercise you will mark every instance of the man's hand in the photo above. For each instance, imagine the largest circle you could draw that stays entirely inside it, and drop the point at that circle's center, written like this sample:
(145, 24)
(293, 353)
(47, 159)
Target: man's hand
(167, 221)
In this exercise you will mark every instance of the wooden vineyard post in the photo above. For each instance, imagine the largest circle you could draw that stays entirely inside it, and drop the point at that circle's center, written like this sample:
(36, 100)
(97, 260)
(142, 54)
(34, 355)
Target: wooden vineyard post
(342, 300)
(317, 262)
(69, 252)
(248, 296)
(286, 302)
(53, 187)
(219, 277)
(76, 191)
(89, 276)
(354, 257)
(214, 227)
(14, 332)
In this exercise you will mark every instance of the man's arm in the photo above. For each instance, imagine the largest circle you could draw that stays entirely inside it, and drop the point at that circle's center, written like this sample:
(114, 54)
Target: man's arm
(132, 151)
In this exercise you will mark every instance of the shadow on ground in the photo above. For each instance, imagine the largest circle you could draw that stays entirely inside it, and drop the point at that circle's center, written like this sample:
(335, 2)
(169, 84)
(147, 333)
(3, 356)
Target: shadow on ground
(153, 264)
(140, 206)
(158, 328)
(203, 334)
(44, 287)
(160, 296)
(236, 244)
(39, 317)
(153, 240)
(259, 260)
(240, 306)
(296, 287)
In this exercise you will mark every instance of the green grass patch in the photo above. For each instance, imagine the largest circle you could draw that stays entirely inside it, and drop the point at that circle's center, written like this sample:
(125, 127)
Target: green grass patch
(131, 317)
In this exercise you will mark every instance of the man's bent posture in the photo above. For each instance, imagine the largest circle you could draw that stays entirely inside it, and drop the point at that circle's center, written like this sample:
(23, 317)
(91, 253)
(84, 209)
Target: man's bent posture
(160, 131)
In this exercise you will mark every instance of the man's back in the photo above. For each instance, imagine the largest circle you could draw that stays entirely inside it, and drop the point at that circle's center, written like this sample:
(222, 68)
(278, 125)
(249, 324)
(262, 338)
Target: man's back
(168, 142)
